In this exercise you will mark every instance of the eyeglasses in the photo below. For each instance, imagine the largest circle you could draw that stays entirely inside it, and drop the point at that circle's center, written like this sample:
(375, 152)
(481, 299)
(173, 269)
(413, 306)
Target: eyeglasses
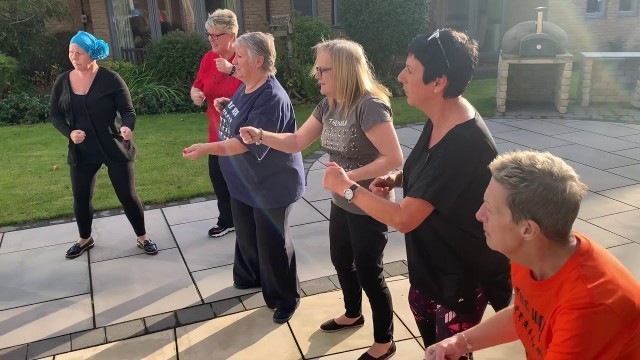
(215, 36)
(436, 35)
(322, 70)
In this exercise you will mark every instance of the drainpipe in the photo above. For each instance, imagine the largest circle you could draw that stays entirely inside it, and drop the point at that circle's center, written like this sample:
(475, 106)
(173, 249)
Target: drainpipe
(84, 23)
(267, 6)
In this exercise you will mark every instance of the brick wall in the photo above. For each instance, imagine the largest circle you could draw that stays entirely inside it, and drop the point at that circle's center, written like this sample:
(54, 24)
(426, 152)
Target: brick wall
(325, 11)
(588, 34)
(611, 80)
(254, 15)
(73, 22)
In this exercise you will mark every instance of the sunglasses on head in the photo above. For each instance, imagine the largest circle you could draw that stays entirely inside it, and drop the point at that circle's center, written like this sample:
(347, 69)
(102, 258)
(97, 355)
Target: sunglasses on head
(436, 35)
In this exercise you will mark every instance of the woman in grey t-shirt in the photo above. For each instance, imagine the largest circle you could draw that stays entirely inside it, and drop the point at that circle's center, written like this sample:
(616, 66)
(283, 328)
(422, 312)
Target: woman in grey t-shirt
(355, 127)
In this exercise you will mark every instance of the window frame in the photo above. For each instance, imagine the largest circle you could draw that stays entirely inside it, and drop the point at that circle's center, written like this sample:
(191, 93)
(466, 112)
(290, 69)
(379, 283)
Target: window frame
(597, 15)
(314, 8)
(629, 13)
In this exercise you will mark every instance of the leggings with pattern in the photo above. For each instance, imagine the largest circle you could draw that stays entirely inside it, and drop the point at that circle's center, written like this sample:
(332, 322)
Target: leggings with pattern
(436, 322)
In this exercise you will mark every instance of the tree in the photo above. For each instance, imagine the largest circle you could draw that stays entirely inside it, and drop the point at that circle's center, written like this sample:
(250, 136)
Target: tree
(23, 34)
(384, 27)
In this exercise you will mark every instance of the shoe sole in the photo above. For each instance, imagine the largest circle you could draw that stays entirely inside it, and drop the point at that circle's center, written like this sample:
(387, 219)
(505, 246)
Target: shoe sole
(342, 328)
(226, 231)
(81, 252)
(282, 321)
(145, 251)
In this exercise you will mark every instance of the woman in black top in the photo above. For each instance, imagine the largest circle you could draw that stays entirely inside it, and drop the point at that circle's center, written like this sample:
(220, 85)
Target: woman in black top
(91, 106)
(452, 271)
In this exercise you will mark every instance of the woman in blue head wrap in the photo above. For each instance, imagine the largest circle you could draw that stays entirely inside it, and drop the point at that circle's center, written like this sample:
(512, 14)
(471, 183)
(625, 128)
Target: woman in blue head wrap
(91, 106)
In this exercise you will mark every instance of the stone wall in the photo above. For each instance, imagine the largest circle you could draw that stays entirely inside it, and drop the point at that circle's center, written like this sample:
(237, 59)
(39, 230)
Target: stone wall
(610, 80)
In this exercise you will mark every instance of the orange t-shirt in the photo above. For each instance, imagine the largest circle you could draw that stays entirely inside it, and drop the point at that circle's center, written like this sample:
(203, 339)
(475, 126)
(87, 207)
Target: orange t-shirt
(590, 309)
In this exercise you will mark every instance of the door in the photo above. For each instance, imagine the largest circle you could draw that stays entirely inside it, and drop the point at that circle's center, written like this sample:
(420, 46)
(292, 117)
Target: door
(481, 19)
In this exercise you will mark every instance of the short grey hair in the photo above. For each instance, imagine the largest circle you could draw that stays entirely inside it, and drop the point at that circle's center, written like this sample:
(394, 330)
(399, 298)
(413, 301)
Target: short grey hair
(224, 20)
(260, 44)
(540, 187)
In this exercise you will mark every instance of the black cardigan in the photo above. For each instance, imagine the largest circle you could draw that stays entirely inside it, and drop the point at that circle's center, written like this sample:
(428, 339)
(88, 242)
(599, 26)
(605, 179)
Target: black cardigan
(109, 107)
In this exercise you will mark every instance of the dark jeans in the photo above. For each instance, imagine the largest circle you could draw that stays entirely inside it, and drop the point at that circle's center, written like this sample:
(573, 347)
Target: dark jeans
(222, 192)
(83, 180)
(436, 323)
(357, 245)
(264, 254)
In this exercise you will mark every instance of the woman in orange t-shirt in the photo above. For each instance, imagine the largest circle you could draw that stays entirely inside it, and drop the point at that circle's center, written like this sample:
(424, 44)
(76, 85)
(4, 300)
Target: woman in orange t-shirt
(573, 299)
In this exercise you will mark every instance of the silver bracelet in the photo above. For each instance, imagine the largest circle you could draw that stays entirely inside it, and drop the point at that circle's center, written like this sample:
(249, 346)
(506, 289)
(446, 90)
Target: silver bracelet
(469, 348)
(259, 141)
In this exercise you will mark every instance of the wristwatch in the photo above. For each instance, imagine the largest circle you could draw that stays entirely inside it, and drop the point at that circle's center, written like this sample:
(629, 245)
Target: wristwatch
(348, 194)
(233, 70)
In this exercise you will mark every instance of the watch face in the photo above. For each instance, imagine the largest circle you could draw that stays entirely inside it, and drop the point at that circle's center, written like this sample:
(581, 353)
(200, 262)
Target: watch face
(348, 194)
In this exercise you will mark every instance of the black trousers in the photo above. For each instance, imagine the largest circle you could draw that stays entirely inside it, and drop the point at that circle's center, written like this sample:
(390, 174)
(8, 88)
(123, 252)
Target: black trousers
(264, 254)
(83, 180)
(357, 245)
(222, 192)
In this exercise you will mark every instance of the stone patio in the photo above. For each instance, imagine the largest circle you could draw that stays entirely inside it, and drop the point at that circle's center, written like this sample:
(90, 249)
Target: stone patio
(117, 303)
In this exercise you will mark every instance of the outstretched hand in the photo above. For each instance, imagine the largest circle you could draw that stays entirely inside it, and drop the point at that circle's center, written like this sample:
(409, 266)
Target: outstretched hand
(194, 151)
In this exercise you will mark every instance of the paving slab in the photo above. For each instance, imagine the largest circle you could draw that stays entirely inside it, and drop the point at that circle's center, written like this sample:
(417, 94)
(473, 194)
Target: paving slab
(303, 213)
(88, 338)
(630, 153)
(115, 238)
(227, 307)
(195, 314)
(396, 248)
(245, 335)
(631, 171)
(625, 224)
(201, 251)
(49, 319)
(137, 286)
(14, 353)
(55, 278)
(317, 286)
(595, 205)
(627, 194)
(629, 256)
(593, 157)
(160, 345)
(633, 138)
(314, 310)
(506, 146)
(408, 136)
(217, 284)
(531, 139)
(498, 127)
(48, 347)
(600, 235)
(311, 243)
(155, 323)
(541, 127)
(604, 128)
(599, 180)
(597, 141)
(125, 330)
(323, 206)
(39, 237)
(314, 190)
(407, 350)
(180, 214)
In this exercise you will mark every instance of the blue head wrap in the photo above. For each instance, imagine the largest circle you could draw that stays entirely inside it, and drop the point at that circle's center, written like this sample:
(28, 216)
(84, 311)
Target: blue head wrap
(96, 48)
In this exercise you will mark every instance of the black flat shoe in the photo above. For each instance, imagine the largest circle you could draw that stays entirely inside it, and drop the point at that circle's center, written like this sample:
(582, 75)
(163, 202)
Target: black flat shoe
(282, 316)
(388, 355)
(240, 286)
(77, 250)
(332, 326)
(149, 247)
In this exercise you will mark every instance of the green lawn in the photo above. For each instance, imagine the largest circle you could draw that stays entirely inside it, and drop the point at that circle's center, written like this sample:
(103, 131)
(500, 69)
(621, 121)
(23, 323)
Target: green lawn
(35, 177)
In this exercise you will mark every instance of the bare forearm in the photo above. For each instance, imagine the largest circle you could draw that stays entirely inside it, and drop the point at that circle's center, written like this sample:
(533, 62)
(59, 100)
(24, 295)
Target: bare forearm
(227, 147)
(285, 142)
(378, 167)
(499, 329)
(383, 210)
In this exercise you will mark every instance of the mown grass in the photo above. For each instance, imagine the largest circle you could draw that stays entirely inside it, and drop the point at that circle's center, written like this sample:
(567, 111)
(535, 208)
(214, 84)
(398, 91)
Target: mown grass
(34, 180)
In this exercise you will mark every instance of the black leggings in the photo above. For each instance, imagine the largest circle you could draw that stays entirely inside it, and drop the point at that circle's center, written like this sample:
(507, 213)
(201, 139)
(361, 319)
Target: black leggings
(222, 192)
(357, 246)
(83, 180)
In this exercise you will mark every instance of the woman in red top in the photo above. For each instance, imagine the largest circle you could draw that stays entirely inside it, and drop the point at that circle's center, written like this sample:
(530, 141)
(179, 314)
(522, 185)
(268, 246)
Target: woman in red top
(215, 79)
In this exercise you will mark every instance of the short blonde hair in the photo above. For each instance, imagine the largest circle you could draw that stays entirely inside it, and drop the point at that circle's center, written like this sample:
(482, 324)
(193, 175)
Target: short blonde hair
(352, 72)
(224, 20)
(540, 187)
(260, 44)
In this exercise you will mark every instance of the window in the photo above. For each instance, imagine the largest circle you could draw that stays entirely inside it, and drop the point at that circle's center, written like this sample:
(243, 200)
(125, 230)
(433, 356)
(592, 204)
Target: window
(305, 7)
(336, 12)
(596, 8)
(628, 7)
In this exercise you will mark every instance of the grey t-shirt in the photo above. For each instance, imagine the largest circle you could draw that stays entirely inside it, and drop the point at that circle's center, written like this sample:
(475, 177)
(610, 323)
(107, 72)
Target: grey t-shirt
(344, 138)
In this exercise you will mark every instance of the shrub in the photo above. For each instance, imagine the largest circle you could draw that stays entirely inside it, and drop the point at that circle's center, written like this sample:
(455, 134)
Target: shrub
(22, 108)
(396, 23)
(307, 32)
(148, 95)
(8, 72)
(176, 57)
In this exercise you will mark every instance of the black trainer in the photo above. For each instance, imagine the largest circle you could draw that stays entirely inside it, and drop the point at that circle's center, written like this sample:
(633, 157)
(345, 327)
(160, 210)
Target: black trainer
(218, 230)
(149, 247)
(77, 250)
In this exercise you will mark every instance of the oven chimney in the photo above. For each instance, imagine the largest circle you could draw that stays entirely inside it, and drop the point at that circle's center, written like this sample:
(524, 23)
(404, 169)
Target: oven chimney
(540, 11)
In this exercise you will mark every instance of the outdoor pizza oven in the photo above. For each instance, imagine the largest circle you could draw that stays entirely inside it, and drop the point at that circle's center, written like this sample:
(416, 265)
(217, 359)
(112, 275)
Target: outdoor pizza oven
(534, 64)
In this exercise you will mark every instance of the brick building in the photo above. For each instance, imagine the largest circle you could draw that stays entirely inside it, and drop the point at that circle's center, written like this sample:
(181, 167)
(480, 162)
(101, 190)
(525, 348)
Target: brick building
(591, 24)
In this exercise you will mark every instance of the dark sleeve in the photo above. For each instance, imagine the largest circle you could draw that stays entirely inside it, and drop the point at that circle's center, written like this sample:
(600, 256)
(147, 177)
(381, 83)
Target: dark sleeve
(450, 169)
(271, 112)
(123, 102)
(58, 118)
